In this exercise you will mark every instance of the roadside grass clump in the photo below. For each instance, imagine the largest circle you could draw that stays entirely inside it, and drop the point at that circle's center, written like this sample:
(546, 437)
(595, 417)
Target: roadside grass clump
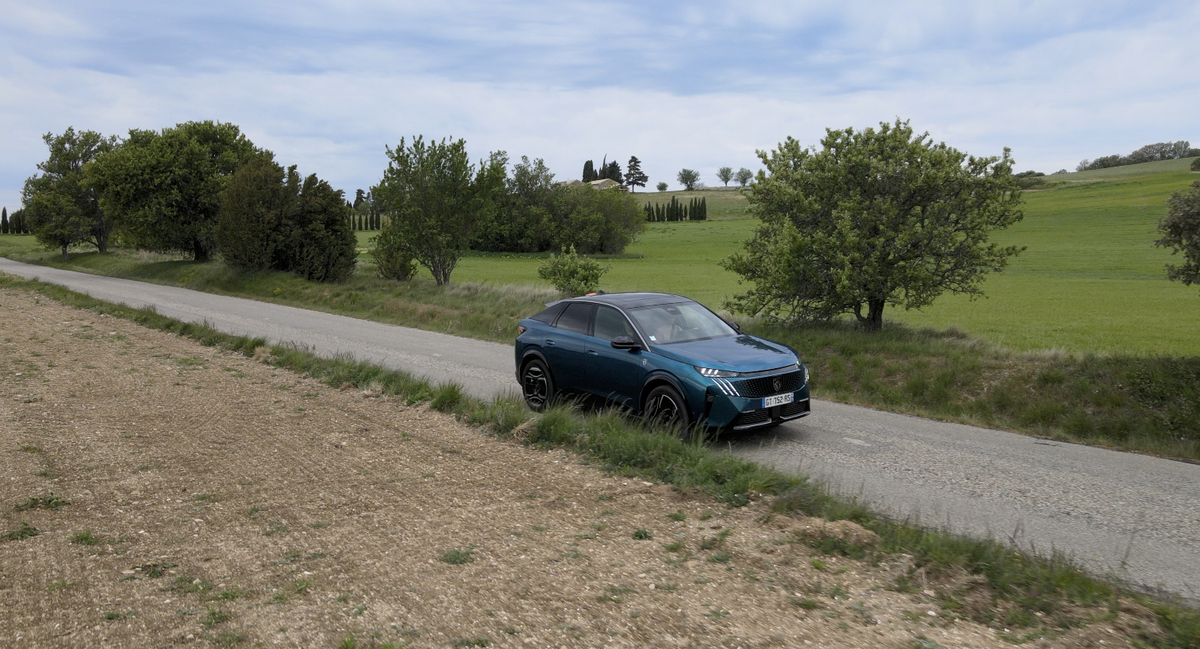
(1017, 585)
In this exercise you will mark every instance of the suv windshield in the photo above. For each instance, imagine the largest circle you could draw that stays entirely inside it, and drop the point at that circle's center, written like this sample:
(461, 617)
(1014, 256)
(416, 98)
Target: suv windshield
(679, 322)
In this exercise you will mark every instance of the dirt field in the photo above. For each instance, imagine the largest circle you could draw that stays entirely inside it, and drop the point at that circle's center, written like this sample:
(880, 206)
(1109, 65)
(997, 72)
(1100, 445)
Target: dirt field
(182, 494)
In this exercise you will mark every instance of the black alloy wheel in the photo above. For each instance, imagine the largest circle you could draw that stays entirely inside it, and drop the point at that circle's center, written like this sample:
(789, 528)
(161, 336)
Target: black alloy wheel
(537, 385)
(665, 407)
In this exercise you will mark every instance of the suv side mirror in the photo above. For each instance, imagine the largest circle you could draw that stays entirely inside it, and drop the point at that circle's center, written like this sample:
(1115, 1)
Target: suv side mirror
(625, 342)
(734, 325)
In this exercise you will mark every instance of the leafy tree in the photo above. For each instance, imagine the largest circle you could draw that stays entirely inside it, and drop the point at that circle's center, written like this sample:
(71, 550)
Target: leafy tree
(435, 199)
(725, 174)
(359, 196)
(272, 219)
(688, 178)
(61, 204)
(519, 222)
(589, 172)
(4, 220)
(593, 221)
(317, 242)
(162, 189)
(1196, 164)
(1181, 233)
(743, 176)
(634, 177)
(662, 187)
(874, 217)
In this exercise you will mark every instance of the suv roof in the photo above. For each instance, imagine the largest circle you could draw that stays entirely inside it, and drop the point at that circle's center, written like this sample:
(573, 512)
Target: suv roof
(629, 300)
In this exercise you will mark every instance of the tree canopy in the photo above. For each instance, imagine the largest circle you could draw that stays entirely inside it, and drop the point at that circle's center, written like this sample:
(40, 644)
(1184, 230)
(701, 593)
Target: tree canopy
(688, 178)
(743, 176)
(873, 217)
(634, 177)
(725, 174)
(161, 189)
(270, 218)
(434, 199)
(1180, 230)
(62, 207)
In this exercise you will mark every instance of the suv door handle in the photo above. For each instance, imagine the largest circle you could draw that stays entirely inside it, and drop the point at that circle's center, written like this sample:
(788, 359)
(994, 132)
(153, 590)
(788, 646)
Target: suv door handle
(592, 352)
(550, 342)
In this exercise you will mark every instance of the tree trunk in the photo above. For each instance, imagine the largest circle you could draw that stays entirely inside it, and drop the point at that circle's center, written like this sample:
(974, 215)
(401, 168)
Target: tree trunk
(199, 251)
(873, 321)
(65, 257)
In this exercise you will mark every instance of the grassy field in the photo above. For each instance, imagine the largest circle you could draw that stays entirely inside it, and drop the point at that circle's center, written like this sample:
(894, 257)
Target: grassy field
(1090, 280)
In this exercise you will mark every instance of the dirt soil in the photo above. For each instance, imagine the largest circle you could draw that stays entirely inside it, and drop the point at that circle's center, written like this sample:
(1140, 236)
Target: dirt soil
(210, 499)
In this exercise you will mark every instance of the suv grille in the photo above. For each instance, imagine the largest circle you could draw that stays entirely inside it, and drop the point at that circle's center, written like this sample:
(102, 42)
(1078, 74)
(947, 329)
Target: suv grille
(765, 386)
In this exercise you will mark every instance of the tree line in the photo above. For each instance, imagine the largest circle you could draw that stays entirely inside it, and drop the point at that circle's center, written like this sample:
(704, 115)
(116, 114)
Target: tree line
(1148, 153)
(203, 190)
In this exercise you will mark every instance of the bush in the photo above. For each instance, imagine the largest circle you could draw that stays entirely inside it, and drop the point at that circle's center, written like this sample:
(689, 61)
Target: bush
(572, 274)
(1196, 164)
(392, 260)
(269, 219)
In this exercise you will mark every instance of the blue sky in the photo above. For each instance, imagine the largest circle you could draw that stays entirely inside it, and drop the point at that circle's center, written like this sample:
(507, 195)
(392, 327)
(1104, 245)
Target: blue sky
(326, 85)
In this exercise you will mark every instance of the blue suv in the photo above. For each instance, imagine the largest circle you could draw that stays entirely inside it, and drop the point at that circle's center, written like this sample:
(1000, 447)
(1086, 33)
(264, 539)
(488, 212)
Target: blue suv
(664, 356)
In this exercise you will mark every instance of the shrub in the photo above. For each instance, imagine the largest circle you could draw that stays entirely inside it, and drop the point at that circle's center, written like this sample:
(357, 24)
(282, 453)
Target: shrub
(572, 274)
(1196, 164)
(272, 219)
(392, 260)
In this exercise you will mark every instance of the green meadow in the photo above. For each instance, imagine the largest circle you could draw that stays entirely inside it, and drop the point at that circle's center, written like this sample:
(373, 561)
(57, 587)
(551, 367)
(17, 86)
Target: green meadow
(1090, 278)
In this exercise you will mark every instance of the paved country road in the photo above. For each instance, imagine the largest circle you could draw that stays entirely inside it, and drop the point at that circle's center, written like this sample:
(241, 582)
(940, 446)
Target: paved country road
(1132, 516)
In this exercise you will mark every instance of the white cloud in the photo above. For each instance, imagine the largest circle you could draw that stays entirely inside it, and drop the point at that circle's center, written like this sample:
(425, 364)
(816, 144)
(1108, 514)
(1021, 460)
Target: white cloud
(327, 86)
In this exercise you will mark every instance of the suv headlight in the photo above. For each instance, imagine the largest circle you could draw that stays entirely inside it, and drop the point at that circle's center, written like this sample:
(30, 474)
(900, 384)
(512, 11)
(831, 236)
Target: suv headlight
(716, 374)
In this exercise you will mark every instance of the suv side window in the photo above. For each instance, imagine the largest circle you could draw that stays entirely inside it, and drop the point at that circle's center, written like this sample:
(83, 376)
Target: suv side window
(549, 314)
(577, 317)
(610, 324)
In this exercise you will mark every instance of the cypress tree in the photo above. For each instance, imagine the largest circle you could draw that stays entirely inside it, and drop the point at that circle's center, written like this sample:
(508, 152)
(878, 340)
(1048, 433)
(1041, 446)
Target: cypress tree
(589, 172)
(4, 220)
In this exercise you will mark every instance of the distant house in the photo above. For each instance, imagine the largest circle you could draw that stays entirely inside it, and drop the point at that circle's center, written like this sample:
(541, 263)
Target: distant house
(571, 183)
(606, 183)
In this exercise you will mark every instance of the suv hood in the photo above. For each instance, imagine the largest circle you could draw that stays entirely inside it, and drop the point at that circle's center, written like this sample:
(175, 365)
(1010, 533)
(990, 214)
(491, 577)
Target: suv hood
(741, 353)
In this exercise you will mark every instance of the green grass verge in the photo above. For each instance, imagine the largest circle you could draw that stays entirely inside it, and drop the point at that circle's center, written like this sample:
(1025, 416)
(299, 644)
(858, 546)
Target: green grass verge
(1017, 587)
(1149, 404)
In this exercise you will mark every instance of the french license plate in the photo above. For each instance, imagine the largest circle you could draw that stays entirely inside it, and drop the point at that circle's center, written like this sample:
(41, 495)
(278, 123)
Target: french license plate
(778, 400)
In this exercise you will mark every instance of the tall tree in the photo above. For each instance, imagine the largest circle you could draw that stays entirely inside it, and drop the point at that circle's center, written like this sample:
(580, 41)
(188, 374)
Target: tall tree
(589, 172)
(874, 217)
(688, 178)
(61, 204)
(162, 189)
(634, 177)
(743, 176)
(725, 174)
(1180, 230)
(612, 171)
(4, 220)
(434, 199)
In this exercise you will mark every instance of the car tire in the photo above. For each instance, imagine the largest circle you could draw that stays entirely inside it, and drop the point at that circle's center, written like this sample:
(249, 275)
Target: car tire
(537, 385)
(664, 406)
